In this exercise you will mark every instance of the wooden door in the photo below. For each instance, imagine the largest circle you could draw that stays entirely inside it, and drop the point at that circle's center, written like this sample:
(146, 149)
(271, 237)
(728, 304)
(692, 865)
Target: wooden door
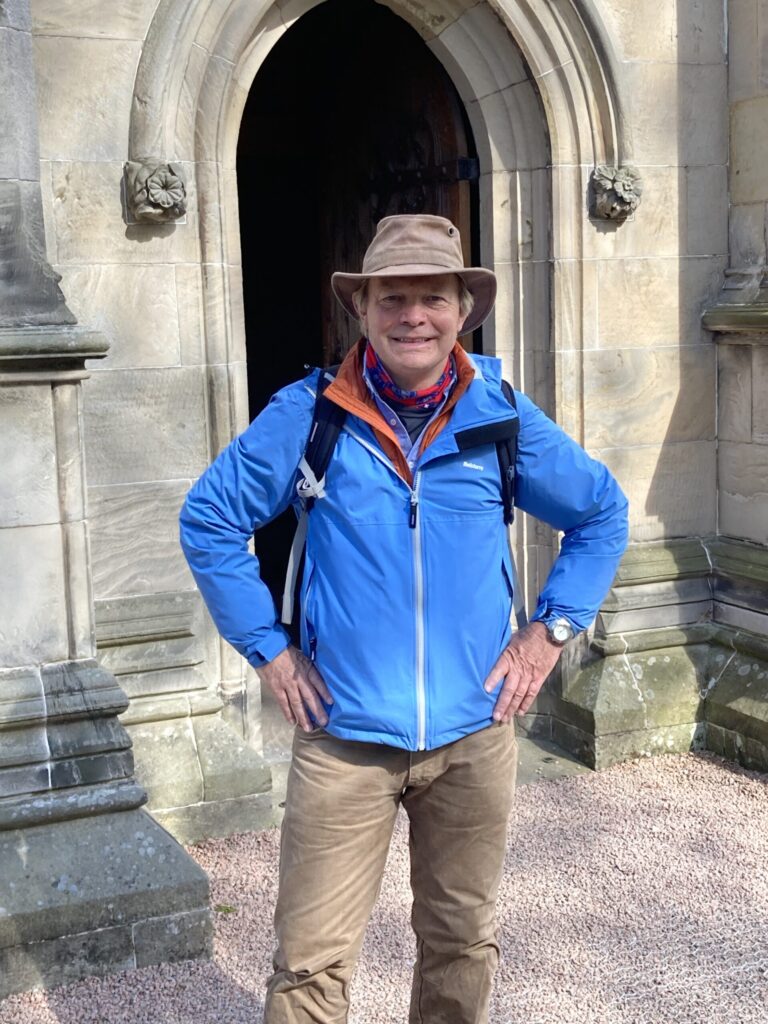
(411, 155)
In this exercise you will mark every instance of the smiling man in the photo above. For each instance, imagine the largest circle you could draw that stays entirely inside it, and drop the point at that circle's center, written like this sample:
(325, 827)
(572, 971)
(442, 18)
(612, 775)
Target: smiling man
(409, 674)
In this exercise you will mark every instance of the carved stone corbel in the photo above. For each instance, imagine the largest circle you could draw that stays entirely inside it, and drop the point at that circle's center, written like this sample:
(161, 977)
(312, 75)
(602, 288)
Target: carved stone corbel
(614, 192)
(155, 192)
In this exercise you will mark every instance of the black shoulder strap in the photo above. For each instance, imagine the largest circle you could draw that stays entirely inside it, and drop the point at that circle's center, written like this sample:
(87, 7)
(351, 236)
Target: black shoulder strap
(506, 449)
(327, 421)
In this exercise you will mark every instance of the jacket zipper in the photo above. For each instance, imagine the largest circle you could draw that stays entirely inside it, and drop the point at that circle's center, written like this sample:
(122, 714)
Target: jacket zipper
(418, 570)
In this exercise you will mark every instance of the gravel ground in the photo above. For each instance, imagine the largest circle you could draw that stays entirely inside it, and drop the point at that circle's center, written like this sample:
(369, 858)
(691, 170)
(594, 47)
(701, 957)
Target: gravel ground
(635, 896)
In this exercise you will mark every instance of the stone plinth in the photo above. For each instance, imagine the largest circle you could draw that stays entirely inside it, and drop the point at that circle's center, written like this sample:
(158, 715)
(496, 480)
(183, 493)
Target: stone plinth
(90, 883)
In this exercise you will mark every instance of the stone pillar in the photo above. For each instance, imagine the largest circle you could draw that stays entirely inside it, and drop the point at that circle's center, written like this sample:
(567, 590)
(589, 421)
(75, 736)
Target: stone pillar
(89, 882)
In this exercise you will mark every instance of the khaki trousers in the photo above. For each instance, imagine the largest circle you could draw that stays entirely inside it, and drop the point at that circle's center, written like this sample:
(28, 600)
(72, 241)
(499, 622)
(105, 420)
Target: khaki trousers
(341, 806)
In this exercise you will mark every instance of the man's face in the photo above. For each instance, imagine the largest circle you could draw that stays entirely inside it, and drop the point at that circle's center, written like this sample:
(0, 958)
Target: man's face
(412, 324)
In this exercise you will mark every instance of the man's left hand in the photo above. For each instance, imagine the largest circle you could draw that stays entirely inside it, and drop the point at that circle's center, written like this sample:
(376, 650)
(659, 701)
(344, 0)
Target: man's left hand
(524, 664)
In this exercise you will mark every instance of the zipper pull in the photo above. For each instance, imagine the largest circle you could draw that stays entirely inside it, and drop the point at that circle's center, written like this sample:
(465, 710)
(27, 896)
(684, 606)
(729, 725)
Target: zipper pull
(414, 509)
(312, 648)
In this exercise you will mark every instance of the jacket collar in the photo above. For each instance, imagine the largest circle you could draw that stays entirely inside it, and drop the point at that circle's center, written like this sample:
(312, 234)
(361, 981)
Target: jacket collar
(479, 405)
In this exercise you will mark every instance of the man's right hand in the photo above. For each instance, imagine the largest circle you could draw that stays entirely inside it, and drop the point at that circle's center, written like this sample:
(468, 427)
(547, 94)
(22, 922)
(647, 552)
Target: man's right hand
(298, 687)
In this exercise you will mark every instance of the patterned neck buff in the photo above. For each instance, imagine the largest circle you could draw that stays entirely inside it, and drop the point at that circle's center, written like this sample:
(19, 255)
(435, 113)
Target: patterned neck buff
(427, 398)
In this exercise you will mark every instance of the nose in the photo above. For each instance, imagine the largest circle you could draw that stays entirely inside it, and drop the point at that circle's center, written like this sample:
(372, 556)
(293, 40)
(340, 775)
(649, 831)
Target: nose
(412, 313)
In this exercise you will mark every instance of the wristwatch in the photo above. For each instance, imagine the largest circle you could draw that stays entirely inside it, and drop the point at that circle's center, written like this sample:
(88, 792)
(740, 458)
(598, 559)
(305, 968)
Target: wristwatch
(560, 631)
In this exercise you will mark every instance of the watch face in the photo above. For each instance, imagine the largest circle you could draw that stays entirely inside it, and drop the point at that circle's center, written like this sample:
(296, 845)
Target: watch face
(561, 631)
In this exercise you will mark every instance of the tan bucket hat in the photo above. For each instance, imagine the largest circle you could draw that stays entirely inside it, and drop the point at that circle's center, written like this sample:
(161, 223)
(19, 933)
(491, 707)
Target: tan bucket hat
(419, 245)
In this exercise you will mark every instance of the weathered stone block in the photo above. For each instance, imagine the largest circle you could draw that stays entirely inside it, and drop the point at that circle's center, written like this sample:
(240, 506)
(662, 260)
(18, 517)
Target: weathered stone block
(136, 307)
(741, 618)
(15, 14)
(21, 696)
(27, 745)
(734, 377)
(84, 91)
(671, 488)
(33, 622)
(93, 18)
(743, 473)
(28, 485)
(89, 220)
(73, 889)
(737, 697)
(746, 234)
(639, 691)
(519, 105)
(145, 425)
(173, 938)
(167, 764)
(759, 391)
(743, 49)
(706, 210)
(135, 539)
(80, 690)
(690, 31)
(655, 302)
(65, 959)
(655, 606)
(230, 767)
(634, 396)
(692, 94)
(29, 292)
(732, 745)
(17, 118)
(219, 818)
(749, 150)
(485, 65)
(189, 296)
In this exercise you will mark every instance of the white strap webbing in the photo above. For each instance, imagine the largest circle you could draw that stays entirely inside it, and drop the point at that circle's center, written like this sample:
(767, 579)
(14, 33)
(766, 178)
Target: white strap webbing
(307, 486)
(292, 572)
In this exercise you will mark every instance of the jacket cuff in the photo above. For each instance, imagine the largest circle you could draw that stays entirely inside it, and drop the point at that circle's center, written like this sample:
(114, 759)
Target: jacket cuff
(269, 648)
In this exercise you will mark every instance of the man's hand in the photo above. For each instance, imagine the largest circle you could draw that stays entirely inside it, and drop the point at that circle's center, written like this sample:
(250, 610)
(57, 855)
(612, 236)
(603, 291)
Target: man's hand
(296, 684)
(524, 665)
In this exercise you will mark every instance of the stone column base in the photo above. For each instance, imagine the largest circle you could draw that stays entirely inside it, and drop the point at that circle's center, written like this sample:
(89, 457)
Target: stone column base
(202, 779)
(708, 694)
(94, 895)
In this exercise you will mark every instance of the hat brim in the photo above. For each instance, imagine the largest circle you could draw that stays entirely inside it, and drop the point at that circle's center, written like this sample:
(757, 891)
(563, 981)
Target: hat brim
(479, 281)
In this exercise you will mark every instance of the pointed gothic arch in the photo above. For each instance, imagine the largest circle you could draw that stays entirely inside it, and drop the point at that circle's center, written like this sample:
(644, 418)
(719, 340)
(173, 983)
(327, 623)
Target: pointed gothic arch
(538, 85)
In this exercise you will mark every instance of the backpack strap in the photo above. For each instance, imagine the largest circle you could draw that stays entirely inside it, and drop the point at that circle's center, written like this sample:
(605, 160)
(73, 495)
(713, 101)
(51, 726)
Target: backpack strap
(506, 450)
(327, 421)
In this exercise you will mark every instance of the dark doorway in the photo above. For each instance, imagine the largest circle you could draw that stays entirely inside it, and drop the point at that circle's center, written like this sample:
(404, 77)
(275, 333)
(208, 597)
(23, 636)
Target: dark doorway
(350, 118)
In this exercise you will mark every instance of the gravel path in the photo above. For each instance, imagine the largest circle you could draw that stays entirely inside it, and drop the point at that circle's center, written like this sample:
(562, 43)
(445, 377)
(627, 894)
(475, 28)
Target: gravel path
(634, 896)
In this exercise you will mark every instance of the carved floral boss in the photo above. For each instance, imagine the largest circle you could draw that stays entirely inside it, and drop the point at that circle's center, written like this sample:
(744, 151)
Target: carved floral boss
(154, 191)
(614, 192)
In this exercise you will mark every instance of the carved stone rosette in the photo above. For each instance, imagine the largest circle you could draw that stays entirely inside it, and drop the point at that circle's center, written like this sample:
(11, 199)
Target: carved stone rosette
(154, 191)
(614, 192)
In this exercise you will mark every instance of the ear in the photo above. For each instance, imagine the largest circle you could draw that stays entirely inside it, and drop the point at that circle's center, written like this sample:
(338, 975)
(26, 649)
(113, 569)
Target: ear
(461, 324)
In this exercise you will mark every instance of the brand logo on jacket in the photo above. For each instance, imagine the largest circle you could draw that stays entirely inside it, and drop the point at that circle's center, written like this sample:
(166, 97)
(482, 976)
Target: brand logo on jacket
(473, 465)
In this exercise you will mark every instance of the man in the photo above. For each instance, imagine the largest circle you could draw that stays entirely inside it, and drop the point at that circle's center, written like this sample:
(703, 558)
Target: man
(409, 677)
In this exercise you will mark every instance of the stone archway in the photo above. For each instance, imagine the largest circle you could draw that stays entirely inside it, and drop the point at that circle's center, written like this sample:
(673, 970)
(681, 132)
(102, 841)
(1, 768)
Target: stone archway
(537, 83)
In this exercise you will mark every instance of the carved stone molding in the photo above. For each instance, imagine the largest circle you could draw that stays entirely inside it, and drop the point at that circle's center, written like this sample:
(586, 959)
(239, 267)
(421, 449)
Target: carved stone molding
(614, 192)
(740, 314)
(155, 192)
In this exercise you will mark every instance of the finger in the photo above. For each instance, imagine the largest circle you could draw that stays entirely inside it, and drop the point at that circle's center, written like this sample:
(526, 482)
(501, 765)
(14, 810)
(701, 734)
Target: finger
(285, 707)
(300, 713)
(318, 683)
(497, 673)
(311, 701)
(513, 691)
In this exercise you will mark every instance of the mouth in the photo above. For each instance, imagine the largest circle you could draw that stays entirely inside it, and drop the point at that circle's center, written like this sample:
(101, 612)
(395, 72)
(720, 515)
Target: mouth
(418, 340)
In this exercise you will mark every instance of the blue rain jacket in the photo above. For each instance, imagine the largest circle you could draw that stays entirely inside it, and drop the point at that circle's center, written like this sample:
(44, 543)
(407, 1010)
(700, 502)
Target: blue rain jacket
(404, 612)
